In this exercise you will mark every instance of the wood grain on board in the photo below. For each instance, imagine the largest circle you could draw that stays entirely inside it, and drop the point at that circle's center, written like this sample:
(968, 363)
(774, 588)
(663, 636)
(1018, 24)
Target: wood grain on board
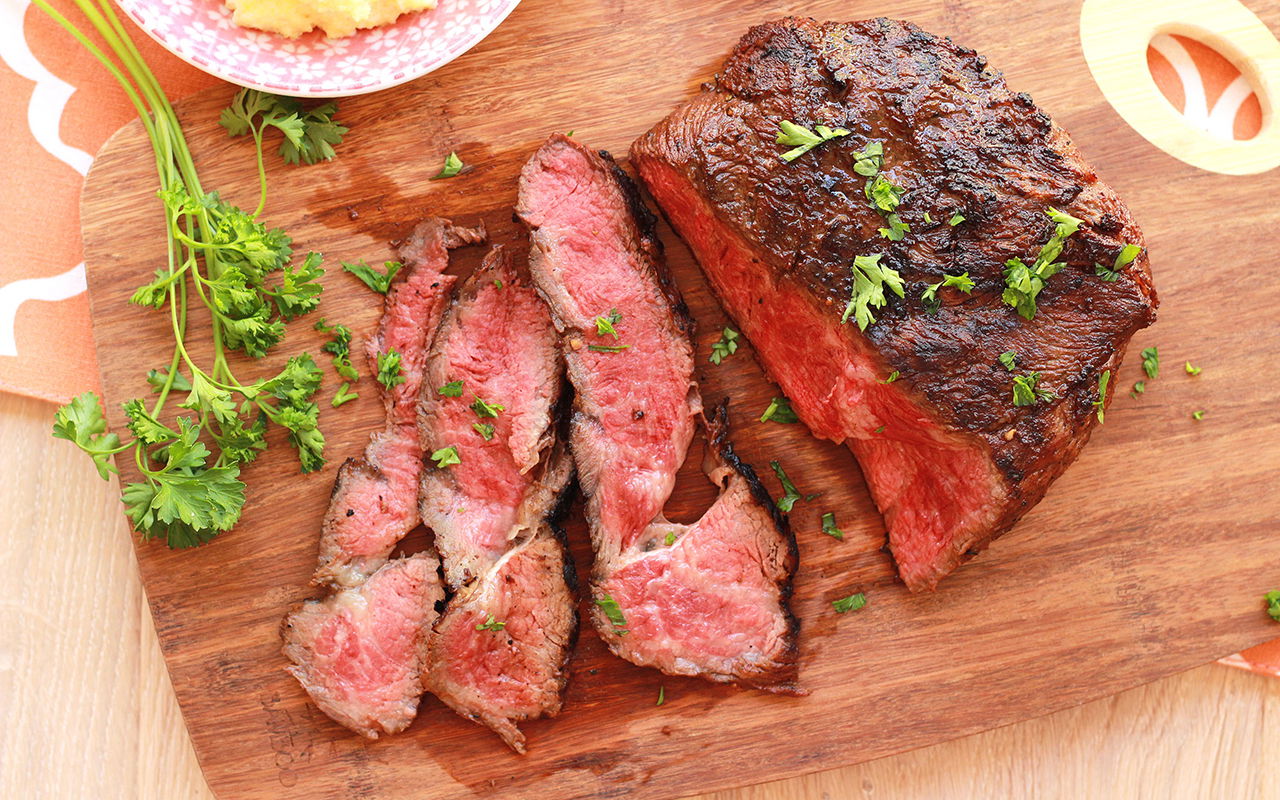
(1148, 557)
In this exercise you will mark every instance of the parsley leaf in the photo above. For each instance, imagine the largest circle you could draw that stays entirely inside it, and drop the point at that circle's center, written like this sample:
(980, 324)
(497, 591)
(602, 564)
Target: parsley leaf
(452, 166)
(1197, 415)
(1027, 390)
(662, 695)
(851, 603)
(614, 613)
(1138, 388)
(802, 140)
(1023, 283)
(893, 376)
(380, 282)
(670, 538)
(340, 348)
(605, 324)
(144, 426)
(491, 624)
(1192, 370)
(791, 495)
(390, 373)
(158, 377)
(1099, 404)
(869, 282)
(450, 389)
(956, 219)
(930, 295)
(1151, 362)
(484, 429)
(829, 526)
(299, 290)
(1009, 359)
(897, 228)
(446, 456)
(779, 410)
(484, 409)
(884, 195)
(727, 346)
(1272, 599)
(607, 348)
(343, 395)
(82, 422)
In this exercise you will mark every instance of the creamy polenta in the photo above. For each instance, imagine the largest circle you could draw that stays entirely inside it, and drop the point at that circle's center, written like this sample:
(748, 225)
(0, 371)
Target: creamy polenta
(334, 17)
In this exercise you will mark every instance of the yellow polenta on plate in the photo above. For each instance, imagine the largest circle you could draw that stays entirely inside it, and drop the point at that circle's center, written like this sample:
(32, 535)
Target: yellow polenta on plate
(335, 17)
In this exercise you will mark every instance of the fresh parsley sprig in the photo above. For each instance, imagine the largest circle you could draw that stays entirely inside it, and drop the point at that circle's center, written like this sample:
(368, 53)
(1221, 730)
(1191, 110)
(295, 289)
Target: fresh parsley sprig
(189, 463)
(870, 278)
(1024, 283)
(1027, 390)
(379, 282)
(802, 140)
(726, 346)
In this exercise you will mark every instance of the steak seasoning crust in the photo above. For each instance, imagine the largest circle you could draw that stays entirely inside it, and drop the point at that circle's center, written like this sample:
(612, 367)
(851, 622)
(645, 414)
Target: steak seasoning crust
(707, 599)
(494, 376)
(360, 652)
(921, 396)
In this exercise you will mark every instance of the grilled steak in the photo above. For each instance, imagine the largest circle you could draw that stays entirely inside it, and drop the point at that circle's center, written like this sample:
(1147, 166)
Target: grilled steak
(493, 384)
(949, 459)
(360, 652)
(708, 599)
(374, 502)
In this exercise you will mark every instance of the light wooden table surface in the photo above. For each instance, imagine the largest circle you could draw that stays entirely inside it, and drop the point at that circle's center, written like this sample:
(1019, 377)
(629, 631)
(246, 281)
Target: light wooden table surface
(87, 710)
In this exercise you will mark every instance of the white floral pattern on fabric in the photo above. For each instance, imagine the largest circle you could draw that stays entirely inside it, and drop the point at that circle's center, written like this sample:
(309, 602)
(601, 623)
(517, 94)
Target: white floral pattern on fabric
(201, 33)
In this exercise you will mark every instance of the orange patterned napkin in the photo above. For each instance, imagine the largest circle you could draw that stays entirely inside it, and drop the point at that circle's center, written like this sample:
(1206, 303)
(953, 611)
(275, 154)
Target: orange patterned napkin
(61, 106)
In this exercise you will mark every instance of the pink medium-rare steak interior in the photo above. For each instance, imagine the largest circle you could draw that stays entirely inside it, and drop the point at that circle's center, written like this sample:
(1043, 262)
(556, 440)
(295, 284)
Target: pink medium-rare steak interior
(360, 652)
(950, 460)
(641, 425)
(594, 258)
(494, 379)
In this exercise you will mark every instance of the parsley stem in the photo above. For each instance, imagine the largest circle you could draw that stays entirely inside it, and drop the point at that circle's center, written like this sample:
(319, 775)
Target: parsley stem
(262, 169)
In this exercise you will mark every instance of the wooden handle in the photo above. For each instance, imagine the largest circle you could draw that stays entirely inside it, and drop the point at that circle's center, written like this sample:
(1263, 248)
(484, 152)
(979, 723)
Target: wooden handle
(1115, 35)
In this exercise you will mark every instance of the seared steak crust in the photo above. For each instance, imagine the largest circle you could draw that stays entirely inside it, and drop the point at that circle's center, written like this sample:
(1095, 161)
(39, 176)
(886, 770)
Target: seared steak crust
(707, 599)
(498, 654)
(956, 463)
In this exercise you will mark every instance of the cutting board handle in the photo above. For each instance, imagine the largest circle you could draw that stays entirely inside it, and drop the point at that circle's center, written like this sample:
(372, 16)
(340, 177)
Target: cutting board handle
(1115, 36)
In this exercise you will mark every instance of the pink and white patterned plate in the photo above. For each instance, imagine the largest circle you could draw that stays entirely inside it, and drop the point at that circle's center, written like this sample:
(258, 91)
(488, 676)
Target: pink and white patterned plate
(201, 33)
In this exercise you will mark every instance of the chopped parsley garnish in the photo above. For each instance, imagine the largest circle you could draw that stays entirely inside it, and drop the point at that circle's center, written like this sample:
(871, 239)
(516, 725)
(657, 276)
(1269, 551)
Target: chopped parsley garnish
(611, 610)
(607, 348)
(897, 228)
(869, 282)
(879, 430)
(605, 324)
(452, 166)
(380, 282)
(484, 429)
(1192, 370)
(389, 372)
(868, 161)
(450, 389)
(484, 409)
(930, 295)
(343, 395)
(727, 346)
(851, 603)
(883, 194)
(446, 456)
(1151, 362)
(491, 624)
(1123, 259)
(928, 218)
(1009, 360)
(802, 140)
(662, 695)
(779, 410)
(670, 538)
(1197, 415)
(497, 283)
(829, 526)
(1023, 283)
(340, 348)
(1099, 404)
(1027, 391)
(1273, 604)
(956, 219)
(791, 495)
(1138, 388)
(893, 376)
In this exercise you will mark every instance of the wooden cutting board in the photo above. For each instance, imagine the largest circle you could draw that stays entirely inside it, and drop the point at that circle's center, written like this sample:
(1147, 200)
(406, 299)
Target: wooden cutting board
(1148, 557)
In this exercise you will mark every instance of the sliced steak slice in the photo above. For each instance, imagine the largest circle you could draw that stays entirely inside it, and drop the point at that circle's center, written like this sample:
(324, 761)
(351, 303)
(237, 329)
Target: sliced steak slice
(949, 459)
(714, 603)
(360, 652)
(492, 392)
(374, 501)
